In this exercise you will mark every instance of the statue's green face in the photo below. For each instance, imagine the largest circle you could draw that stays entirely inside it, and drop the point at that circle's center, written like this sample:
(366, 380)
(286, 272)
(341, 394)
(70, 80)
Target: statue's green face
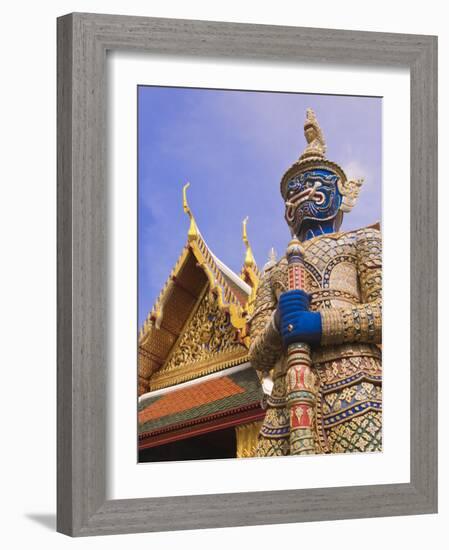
(312, 197)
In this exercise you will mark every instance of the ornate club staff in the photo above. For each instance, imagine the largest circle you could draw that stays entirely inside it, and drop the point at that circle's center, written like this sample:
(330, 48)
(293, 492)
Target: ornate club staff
(300, 379)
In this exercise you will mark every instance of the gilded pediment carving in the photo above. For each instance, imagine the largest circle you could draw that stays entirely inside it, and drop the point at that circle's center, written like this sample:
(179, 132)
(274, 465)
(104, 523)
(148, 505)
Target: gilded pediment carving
(208, 343)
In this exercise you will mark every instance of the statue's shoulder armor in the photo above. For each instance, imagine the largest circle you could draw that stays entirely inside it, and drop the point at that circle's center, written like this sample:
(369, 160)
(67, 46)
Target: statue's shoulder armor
(368, 232)
(281, 265)
(363, 233)
(273, 267)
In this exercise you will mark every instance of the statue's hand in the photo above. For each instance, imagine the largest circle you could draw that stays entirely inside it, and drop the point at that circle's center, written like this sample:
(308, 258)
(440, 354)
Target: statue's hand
(294, 320)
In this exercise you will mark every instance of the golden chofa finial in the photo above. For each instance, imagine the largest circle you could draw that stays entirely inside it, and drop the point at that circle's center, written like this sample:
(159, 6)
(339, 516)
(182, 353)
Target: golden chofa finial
(316, 146)
(249, 257)
(193, 229)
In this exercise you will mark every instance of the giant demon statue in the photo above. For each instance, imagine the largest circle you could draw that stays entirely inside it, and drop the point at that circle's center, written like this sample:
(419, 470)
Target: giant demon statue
(317, 330)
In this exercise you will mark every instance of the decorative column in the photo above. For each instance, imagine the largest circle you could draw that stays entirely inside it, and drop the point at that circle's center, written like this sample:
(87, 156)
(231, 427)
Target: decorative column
(301, 381)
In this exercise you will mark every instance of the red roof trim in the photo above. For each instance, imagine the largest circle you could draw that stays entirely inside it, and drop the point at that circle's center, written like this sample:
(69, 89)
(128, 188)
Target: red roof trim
(243, 415)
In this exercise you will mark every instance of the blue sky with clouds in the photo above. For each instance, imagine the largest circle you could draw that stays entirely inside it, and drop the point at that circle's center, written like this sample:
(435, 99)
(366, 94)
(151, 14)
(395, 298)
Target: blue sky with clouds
(233, 147)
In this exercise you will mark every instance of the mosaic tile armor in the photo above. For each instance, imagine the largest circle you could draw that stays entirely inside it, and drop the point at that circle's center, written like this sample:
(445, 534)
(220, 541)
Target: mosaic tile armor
(323, 354)
(343, 275)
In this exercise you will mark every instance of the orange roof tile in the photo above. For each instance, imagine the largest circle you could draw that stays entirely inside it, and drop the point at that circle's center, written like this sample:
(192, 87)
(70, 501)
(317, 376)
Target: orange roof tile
(192, 396)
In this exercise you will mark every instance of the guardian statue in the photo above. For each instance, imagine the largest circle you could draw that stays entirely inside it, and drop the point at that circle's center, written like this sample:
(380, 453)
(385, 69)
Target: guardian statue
(317, 322)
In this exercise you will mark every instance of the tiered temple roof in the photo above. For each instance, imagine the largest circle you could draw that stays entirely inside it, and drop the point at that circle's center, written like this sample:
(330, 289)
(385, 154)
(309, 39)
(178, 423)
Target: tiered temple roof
(197, 328)
(211, 403)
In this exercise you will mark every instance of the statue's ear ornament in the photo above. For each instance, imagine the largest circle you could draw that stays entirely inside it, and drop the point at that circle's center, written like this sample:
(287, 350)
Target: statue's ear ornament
(350, 190)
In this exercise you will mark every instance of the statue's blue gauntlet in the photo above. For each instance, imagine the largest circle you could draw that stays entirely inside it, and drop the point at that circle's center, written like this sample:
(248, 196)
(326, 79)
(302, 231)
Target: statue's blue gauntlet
(294, 320)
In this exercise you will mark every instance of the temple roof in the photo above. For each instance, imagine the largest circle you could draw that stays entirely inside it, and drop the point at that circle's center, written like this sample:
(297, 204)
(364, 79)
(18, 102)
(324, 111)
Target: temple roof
(217, 401)
(196, 271)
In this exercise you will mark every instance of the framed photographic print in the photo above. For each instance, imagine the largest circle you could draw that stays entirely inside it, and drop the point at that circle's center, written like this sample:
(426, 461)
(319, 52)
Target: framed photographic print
(210, 370)
(247, 273)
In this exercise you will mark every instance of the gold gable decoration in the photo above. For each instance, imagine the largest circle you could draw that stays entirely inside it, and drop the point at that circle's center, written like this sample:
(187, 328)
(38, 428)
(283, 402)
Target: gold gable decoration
(208, 333)
(209, 342)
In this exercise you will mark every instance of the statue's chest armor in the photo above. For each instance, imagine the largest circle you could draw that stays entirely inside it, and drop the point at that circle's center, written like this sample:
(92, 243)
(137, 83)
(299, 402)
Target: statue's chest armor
(331, 272)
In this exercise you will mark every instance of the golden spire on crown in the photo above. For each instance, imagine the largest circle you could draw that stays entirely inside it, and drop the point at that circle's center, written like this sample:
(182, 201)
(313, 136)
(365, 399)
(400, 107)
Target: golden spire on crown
(316, 146)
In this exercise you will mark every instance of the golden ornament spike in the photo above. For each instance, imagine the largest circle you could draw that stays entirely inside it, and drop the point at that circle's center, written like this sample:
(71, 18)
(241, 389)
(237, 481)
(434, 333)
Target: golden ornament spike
(249, 257)
(316, 145)
(193, 229)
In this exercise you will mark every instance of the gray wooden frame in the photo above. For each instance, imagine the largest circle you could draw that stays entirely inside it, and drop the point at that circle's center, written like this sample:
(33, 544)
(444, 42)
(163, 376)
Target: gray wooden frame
(83, 40)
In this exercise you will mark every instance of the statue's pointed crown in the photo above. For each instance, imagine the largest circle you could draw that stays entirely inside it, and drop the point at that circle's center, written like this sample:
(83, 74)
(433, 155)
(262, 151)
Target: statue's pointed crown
(313, 157)
(316, 145)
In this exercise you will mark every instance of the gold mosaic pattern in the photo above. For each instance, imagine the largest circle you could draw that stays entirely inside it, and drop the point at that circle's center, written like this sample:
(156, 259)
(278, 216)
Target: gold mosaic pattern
(338, 401)
(361, 434)
(341, 369)
(276, 417)
(272, 447)
(266, 345)
(329, 353)
(363, 321)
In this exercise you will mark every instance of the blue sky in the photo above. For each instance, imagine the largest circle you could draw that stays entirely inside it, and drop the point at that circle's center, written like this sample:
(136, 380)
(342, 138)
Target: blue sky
(234, 147)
